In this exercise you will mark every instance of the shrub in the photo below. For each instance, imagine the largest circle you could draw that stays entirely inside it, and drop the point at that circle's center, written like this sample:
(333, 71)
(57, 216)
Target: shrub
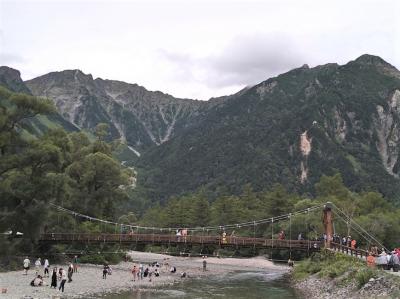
(364, 275)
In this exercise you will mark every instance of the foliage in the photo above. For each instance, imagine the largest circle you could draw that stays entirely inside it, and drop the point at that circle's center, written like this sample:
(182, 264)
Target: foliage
(369, 209)
(57, 167)
(253, 136)
(364, 275)
(330, 265)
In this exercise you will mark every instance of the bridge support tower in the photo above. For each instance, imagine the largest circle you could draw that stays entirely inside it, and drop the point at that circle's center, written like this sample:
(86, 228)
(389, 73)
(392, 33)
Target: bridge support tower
(328, 226)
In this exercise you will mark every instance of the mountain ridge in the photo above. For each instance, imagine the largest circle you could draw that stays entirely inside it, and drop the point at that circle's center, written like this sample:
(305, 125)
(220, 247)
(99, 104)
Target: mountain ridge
(140, 117)
(289, 129)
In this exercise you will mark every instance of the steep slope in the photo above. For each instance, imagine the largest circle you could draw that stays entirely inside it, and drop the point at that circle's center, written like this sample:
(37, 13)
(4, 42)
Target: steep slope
(140, 117)
(11, 79)
(291, 130)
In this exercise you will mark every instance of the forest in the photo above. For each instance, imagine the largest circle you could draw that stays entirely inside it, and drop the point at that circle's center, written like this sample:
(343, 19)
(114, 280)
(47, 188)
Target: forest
(78, 171)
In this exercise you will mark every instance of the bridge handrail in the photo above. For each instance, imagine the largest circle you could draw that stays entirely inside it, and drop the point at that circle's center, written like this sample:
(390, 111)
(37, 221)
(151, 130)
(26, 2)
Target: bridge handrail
(170, 238)
(346, 249)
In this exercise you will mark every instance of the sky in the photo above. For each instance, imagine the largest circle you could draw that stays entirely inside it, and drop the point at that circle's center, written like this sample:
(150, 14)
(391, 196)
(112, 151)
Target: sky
(191, 48)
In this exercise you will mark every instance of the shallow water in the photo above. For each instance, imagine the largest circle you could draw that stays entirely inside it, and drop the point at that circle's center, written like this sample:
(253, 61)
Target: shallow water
(248, 285)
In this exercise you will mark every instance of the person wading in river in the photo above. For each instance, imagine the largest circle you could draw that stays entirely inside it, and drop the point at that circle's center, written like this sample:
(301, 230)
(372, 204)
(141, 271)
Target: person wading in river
(204, 264)
(134, 272)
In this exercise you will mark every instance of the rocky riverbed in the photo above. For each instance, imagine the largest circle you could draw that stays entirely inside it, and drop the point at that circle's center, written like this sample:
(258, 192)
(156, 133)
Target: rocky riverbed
(88, 282)
(314, 287)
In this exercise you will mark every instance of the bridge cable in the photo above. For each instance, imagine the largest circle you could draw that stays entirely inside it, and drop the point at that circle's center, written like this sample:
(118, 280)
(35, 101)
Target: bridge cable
(244, 224)
(290, 236)
(307, 232)
(360, 227)
(368, 237)
(272, 236)
(254, 238)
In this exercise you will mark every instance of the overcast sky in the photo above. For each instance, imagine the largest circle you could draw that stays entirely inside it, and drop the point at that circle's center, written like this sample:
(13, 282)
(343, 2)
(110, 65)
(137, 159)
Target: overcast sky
(190, 48)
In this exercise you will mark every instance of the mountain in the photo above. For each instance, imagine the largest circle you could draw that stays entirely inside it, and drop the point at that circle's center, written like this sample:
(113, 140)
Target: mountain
(140, 117)
(290, 129)
(11, 79)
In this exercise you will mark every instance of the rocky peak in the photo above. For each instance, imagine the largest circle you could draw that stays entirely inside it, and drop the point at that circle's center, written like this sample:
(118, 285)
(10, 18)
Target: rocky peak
(140, 117)
(378, 62)
(369, 59)
(11, 79)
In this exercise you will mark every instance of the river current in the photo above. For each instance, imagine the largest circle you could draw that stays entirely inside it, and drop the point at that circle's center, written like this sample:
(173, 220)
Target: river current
(243, 285)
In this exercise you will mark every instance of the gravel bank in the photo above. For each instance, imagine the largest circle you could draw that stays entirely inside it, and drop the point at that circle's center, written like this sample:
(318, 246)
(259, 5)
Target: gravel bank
(88, 282)
(321, 288)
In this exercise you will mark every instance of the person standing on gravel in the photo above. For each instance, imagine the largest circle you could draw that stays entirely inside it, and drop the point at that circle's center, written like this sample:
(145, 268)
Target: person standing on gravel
(70, 272)
(105, 271)
(63, 278)
(27, 262)
(141, 270)
(46, 266)
(54, 278)
(76, 262)
(38, 264)
(204, 264)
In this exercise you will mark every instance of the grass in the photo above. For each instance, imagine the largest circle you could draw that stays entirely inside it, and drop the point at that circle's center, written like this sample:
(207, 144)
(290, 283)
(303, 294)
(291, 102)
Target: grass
(327, 264)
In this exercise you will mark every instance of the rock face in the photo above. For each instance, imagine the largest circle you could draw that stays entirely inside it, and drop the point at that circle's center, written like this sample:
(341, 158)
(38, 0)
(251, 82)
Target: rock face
(140, 117)
(11, 79)
(293, 129)
(388, 133)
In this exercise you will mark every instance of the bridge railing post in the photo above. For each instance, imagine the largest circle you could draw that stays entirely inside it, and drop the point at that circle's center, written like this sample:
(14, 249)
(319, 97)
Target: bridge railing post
(327, 221)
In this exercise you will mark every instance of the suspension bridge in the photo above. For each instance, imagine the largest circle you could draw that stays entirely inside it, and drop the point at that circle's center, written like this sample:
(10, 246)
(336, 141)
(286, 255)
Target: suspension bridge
(128, 234)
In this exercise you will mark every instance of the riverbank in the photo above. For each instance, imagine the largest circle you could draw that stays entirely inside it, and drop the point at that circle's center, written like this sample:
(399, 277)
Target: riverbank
(88, 282)
(332, 276)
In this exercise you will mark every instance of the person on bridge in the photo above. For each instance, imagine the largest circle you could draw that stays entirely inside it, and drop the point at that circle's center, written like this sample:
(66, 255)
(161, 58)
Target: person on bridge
(374, 250)
(223, 237)
(178, 235)
(353, 244)
(394, 261)
(370, 260)
(281, 235)
(348, 241)
(184, 233)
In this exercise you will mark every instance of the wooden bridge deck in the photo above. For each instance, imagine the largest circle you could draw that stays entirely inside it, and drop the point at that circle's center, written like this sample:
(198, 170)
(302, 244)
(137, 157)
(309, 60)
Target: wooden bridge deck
(167, 239)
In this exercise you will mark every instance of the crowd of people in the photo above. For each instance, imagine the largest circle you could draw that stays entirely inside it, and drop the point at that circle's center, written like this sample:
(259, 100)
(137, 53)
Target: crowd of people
(150, 271)
(59, 275)
(384, 259)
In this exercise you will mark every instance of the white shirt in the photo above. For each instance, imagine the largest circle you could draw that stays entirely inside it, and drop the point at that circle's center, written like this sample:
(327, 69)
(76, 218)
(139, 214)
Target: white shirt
(46, 263)
(26, 263)
(63, 275)
(38, 263)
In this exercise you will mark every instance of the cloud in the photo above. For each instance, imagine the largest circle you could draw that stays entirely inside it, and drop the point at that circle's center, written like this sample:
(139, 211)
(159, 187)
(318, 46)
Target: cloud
(245, 60)
(8, 58)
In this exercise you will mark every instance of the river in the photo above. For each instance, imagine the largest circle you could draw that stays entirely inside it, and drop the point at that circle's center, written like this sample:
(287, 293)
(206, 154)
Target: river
(245, 285)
